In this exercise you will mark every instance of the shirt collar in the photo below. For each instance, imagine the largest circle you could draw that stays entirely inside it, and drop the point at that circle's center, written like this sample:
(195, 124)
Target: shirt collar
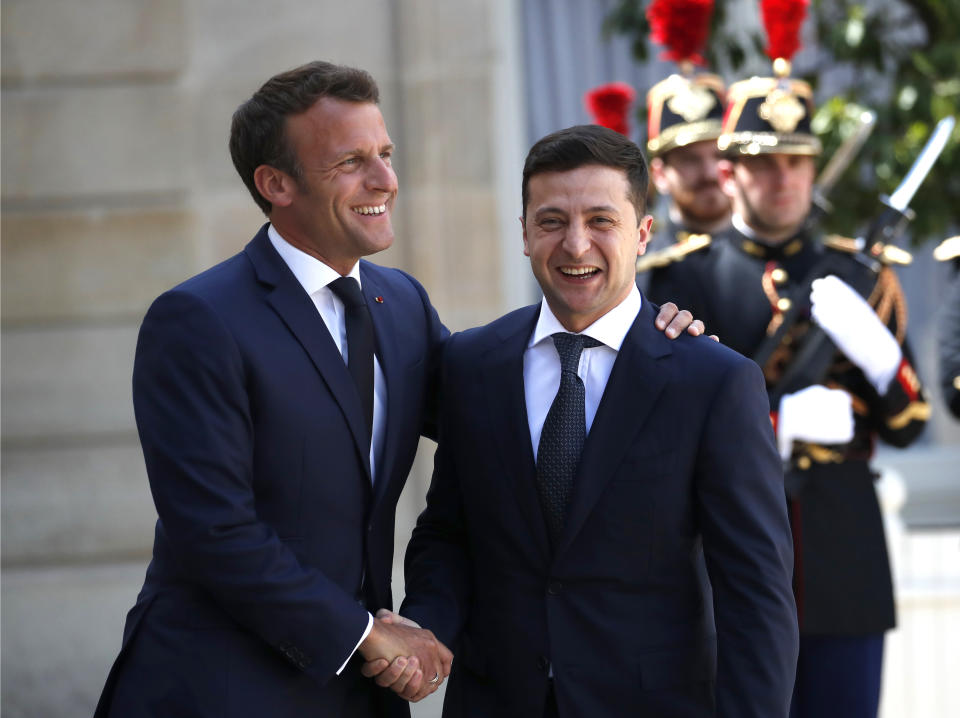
(312, 274)
(611, 328)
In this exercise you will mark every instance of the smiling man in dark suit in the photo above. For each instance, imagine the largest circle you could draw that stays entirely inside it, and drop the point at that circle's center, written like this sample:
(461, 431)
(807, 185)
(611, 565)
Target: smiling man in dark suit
(588, 471)
(279, 398)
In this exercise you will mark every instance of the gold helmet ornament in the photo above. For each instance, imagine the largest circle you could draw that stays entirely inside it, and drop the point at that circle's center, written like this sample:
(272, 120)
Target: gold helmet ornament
(772, 114)
(686, 107)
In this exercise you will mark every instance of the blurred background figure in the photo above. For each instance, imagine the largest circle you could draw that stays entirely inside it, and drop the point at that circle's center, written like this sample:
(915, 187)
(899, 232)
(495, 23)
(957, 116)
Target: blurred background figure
(948, 338)
(769, 286)
(684, 114)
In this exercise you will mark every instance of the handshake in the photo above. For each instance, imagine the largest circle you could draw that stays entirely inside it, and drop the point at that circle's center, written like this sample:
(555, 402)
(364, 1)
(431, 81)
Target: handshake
(404, 657)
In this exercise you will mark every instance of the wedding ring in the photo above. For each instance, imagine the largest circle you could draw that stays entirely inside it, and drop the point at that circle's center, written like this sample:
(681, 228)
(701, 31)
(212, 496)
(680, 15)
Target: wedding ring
(435, 679)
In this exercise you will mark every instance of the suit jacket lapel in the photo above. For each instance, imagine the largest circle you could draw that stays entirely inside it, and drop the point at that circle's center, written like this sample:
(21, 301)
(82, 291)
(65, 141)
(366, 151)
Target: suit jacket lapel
(503, 391)
(630, 395)
(299, 313)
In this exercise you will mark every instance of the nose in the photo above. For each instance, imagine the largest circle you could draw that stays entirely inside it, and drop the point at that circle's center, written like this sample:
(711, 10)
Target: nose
(381, 177)
(576, 241)
(709, 169)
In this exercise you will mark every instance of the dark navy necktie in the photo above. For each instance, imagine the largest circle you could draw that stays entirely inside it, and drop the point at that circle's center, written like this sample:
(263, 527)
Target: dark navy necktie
(360, 342)
(564, 432)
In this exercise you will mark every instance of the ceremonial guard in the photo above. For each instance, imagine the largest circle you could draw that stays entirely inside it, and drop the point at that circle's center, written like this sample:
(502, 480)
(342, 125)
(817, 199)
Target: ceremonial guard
(829, 332)
(684, 115)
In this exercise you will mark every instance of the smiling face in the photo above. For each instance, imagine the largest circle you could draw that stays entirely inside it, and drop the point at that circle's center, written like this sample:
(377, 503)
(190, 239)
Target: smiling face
(339, 208)
(770, 192)
(583, 236)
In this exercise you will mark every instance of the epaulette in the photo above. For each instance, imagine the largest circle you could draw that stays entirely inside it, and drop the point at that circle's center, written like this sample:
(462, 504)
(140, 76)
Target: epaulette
(841, 244)
(674, 253)
(886, 253)
(947, 249)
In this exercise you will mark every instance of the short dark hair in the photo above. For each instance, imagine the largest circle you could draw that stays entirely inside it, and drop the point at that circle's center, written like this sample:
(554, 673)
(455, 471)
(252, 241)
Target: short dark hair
(258, 130)
(584, 145)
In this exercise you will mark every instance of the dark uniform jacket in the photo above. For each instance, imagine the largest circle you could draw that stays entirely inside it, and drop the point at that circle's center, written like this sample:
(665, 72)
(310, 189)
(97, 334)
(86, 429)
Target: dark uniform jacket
(740, 288)
(669, 240)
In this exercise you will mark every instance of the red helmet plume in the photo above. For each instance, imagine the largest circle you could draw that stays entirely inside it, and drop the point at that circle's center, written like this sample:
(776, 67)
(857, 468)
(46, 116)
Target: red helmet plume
(782, 20)
(681, 26)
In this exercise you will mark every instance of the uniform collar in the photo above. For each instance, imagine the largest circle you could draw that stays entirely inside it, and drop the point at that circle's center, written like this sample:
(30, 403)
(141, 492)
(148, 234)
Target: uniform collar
(749, 242)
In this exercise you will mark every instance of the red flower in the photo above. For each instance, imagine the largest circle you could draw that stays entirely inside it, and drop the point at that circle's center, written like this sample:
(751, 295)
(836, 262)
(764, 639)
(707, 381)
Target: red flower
(609, 105)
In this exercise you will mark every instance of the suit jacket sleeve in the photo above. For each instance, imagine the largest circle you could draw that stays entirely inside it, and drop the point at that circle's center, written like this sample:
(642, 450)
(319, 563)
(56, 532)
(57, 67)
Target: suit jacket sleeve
(195, 423)
(748, 549)
(437, 564)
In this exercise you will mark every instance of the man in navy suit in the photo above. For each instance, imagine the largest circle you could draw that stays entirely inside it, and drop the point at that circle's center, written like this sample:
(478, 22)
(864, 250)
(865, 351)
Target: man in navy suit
(571, 581)
(275, 489)
(279, 398)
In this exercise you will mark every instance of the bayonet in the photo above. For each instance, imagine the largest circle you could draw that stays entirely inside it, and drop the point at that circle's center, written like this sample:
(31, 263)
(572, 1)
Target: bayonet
(841, 159)
(897, 213)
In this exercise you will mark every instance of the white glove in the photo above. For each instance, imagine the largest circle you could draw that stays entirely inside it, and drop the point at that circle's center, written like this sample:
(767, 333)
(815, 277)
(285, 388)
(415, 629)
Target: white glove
(856, 330)
(815, 414)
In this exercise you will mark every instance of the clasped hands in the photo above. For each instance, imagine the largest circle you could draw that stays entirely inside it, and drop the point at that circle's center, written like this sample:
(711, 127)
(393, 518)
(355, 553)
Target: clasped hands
(404, 657)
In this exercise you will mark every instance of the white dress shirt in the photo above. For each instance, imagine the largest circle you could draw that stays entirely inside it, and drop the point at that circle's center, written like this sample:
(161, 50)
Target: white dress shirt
(541, 363)
(314, 276)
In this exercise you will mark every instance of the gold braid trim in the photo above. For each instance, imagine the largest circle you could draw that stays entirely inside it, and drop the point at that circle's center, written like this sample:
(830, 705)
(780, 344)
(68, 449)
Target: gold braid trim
(817, 453)
(766, 281)
(887, 300)
(915, 411)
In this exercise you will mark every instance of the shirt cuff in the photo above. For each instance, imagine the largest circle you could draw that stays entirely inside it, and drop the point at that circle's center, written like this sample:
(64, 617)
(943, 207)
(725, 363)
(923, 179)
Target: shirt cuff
(362, 639)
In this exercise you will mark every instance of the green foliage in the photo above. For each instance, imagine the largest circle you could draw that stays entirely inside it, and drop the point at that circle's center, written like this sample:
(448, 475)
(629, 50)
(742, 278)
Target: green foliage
(900, 58)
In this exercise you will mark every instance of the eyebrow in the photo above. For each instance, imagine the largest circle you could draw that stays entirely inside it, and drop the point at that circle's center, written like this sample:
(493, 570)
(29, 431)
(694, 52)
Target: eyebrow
(603, 208)
(358, 151)
(597, 208)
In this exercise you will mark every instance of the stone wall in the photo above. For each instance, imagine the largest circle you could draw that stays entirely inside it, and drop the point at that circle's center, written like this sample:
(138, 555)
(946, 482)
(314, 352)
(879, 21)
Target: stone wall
(117, 184)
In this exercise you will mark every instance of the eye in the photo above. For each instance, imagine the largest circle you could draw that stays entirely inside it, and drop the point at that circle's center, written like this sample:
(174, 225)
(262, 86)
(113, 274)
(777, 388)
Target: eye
(387, 156)
(351, 161)
(602, 220)
(549, 223)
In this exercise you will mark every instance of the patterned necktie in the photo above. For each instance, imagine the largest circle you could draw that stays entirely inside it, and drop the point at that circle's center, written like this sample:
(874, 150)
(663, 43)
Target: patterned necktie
(564, 432)
(360, 342)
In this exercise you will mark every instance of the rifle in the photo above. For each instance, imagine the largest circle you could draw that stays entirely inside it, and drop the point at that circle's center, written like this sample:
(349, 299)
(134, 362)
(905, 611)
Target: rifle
(838, 163)
(812, 358)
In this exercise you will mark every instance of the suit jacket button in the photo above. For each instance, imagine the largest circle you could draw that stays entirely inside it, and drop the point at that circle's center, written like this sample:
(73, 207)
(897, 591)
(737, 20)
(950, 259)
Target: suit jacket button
(554, 588)
(543, 663)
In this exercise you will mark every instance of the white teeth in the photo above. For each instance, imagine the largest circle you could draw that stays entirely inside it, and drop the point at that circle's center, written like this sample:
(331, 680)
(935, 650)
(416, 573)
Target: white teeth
(379, 209)
(578, 271)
